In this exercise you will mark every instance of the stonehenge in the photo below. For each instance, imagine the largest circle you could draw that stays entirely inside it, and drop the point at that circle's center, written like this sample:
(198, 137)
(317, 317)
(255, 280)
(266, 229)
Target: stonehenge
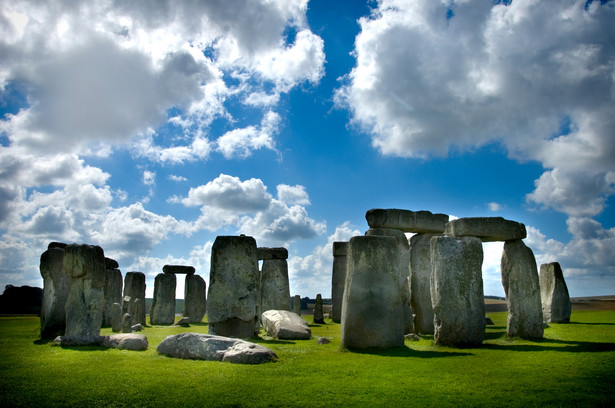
(195, 301)
(338, 277)
(274, 285)
(134, 296)
(56, 284)
(319, 315)
(420, 276)
(113, 289)
(556, 306)
(163, 304)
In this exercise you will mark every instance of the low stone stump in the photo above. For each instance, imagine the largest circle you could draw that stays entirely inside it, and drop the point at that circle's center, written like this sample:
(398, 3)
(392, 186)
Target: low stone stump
(163, 304)
(338, 277)
(285, 325)
(406, 220)
(198, 346)
(457, 291)
(488, 229)
(123, 341)
(556, 306)
(420, 276)
(522, 288)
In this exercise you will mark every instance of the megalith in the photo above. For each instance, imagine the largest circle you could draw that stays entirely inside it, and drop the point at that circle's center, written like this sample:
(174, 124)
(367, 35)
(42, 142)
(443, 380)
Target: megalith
(522, 288)
(116, 317)
(233, 285)
(56, 284)
(274, 285)
(85, 264)
(134, 288)
(113, 289)
(195, 302)
(406, 220)
(556, 306)
(338, 277)
(420, 277)
(297, 304)
(457, 291)
(488, 229)
(372, 311)
(126, 323)
(181, 269)
(319, 315)
(163, 304)
(285, 325)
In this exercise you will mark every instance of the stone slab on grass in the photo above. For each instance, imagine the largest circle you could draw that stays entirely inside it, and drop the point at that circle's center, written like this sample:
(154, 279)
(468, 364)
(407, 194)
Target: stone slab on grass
(488, 229)
(198, 346)
(285, 325)
(406, 220)
(122, 341)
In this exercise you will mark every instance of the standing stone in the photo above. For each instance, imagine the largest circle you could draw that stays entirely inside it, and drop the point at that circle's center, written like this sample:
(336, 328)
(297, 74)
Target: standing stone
(56, 284)
(319, 316)
(372, 311)
(457, 291)
(126, 323)
(556, 306)
(134, 287)
(233, 285)
(113, 289)
(420, 277)
(522, 288)
(86, 299)
(275, 289)
(405, 301)
(297, 305)
(163, 304)
(138, 308)
(195, 303)
(116, 317)
(340, 250)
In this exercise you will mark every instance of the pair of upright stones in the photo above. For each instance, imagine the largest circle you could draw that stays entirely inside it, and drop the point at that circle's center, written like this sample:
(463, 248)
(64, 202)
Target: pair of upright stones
(238, 291)
(163, 304)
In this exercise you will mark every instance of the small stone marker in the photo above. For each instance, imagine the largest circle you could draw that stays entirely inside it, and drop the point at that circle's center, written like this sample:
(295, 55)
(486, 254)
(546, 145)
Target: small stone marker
(556, 306)
(181, 269)
(406, 221)
(488, 229)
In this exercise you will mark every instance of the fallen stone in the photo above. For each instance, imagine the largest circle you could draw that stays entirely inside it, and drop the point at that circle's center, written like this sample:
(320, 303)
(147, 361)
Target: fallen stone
(556, 306)
(488, 229)
(181, 269)
(323, 340)
(136, 327)
(406, 220)
(183, 322)
(210, 347)
(125, 341)
(264, 253)
(285, 325)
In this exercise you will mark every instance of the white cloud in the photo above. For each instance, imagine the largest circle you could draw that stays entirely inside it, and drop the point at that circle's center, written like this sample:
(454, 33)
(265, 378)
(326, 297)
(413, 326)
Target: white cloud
(149, 178)
(293, 194)
(230, 193)
(177, 178)
(241, 142)
(493, 206)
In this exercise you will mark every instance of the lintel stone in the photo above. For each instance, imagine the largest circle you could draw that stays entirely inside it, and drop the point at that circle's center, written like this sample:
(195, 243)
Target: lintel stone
(488, 229)
(264, 253)
(174, 269)
(406, 220)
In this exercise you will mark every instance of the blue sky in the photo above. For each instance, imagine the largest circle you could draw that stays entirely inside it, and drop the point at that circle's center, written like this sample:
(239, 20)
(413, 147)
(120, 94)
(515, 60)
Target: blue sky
(149, 129)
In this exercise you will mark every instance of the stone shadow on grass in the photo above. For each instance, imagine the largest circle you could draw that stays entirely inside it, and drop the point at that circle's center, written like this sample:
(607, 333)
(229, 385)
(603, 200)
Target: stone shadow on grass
(542, 345)
(589, 324)
(407, 352)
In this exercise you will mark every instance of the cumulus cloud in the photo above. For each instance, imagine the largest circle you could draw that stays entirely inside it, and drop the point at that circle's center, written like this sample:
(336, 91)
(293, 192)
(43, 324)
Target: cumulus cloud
(230, 193)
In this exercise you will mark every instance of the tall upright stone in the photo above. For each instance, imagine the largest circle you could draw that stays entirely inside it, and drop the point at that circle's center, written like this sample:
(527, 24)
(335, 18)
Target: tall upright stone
(233, 284)
(116, 317)
(85, 264)
(113, 289)
(522, 288)
(338, 278)
(195, 301)
(297, 304)
(372, 311)
(457, 291)
(134, 288)
(56, 284)
(319, 314)
(275, 288)
(163, 304)
(420, 277)
(556, 306)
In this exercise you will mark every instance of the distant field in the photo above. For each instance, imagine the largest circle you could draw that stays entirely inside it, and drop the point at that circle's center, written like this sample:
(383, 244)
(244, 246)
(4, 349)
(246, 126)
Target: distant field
(573, 366)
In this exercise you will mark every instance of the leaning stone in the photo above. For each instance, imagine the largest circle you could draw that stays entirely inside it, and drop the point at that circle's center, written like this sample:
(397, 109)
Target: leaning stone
(183, 322)
(338, 277)
(522, 288)
(126, 341)
(56, 285)
(116, 318)
(275, 288)
(126, 323)
(233, 294)
(85, 264)
(488, 229)
(263, 253)
(199, 346)
(134, 287)
(285, 325)
(457, 291)
(195, 301)
(405, 220)
(420, 276)
(163, 304)
(181, 269)
(372, 311)
(136, 327)
(556, 306)
(113, 290)
(297, 305)
(319, 317)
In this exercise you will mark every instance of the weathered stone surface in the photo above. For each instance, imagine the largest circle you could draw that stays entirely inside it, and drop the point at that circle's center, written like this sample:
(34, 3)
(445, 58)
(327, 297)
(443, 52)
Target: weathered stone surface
(556, 306)
(138, 308)
(181, 269)
(199, 346)
(134, 287)
(323, 340)
(233, 286)
(195, 301)
(116, 317)
(183, 322)
(111, 264)
(457, 291)
(407, 307)
(124, 341)
(488, 229)
(420, 277)
(85, 303)
(338, 278)
(126, 323)
(56, 284)
(372, 311)
(113, 292)
(264, 253)
(522, 288)
(285, 325)
(319, 315)
(275, 289)
(163, 304)
(406, 221)
(136, 327)
(60, 245)
(297, 304)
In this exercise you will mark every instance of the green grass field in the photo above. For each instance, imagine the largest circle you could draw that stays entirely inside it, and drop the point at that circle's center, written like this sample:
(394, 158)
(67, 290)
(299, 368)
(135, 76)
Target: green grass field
(573, 366)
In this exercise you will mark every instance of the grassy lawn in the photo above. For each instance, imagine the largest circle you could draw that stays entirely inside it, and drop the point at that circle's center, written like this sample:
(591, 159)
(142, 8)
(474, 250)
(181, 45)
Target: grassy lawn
(573, 366)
